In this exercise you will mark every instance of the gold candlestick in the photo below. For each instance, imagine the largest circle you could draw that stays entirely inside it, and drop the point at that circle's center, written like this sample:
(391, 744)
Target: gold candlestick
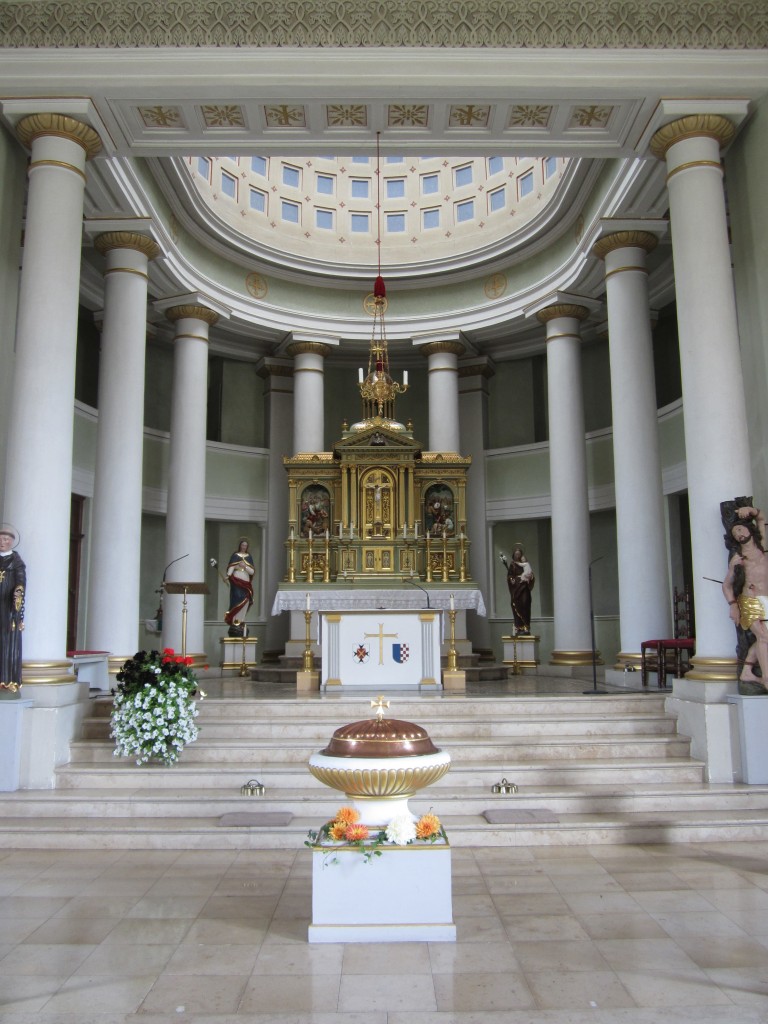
(310, 567)
(452, 663)
(327, 566)
(309, 659)
(462, 556)
(445, 558)
(291, 558)
(429, 563)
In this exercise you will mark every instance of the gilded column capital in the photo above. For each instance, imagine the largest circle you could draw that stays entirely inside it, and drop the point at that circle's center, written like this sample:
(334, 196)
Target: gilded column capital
(317, 348)
(193, 312)
(562, 309)
(33, 126)
(110, 240)
(433, 347)
(713, 126)
(624, 240)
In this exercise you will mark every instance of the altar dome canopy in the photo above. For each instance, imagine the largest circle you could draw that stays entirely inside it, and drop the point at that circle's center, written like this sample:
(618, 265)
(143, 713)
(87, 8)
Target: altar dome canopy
(327, 209)
(380, 738)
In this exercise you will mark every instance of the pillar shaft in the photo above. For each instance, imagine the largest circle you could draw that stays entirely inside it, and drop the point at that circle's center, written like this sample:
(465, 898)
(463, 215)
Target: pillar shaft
(185, 520)
(113, 610)
(717, 445)
(644, 602)
(39, 473)
(309, 395)
(443, 376)
(568, 476)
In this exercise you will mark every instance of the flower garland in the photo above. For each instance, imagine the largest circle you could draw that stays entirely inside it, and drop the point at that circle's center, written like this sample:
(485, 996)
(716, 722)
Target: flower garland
(154, 711)
(345, 828)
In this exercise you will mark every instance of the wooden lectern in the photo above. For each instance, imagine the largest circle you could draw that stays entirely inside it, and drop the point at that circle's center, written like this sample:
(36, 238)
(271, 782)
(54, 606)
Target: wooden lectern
(185, 588)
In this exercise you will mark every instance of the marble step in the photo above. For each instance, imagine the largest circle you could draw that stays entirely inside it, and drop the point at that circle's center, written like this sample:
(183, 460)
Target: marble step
(338, 709)
(204, 833)
(443, 732)
(323, 802)
(124, 774)
(509, 748)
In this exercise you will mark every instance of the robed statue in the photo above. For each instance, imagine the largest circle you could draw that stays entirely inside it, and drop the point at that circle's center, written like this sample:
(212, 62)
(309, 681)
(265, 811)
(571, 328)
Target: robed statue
(13, 584)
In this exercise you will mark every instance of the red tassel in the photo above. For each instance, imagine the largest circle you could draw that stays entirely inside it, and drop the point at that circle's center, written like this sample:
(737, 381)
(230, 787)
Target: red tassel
(379, 288)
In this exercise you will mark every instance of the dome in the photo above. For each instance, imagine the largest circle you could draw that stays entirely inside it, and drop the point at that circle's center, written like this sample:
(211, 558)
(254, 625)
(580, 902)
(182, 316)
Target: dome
(381, 738)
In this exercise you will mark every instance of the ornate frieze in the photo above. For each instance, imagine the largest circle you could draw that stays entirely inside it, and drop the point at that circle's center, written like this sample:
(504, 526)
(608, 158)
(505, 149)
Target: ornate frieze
(572, 24)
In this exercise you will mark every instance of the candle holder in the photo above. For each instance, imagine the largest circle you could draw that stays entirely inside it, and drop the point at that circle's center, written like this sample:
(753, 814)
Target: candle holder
(327, 566)
(452, 662)
(462, 556)
(291, 558)
(310, 574)
(309, 659)
(445, 557)
(428, 567)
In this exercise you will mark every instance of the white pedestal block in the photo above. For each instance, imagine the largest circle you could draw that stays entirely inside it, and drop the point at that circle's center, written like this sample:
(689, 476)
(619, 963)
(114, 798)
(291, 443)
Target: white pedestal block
(92, 668)
(402, 896)
(11, 717)
(521, 653)
(753, 729)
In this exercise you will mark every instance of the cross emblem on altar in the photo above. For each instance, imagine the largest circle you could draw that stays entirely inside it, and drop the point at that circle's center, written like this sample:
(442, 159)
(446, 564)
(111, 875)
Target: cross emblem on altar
(381, 636)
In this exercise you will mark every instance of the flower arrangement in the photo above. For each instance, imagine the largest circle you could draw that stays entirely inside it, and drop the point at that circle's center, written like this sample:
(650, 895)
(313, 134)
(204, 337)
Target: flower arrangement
(345, 829)
(153, 714)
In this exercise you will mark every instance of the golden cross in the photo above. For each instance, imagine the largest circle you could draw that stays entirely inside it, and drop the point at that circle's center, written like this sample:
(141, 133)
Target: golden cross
(380, 704)
(381, 636)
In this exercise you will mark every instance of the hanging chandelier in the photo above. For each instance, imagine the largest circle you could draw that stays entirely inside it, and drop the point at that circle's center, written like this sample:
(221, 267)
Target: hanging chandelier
(377, 389)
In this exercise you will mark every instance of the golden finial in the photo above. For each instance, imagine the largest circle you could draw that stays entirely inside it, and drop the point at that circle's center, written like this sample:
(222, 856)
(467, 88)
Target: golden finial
(380, 705)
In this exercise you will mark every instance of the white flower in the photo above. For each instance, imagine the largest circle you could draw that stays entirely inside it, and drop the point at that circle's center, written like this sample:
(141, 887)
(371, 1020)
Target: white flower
(401, 830)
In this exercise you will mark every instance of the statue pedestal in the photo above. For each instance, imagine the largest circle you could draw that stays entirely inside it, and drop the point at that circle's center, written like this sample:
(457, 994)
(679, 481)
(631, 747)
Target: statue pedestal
(11, 719)
(521, 653)
(235, 652)
(752, 715)
(402, 896)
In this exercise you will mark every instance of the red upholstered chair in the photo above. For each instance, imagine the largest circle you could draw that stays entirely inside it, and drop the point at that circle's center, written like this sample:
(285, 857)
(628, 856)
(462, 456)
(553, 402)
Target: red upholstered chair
(656, 655)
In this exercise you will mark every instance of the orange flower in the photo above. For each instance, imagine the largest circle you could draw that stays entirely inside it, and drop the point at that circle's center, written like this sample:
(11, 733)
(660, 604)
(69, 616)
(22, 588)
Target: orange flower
(348, 815)
(338, 830)
(357, 832)
(427, 826)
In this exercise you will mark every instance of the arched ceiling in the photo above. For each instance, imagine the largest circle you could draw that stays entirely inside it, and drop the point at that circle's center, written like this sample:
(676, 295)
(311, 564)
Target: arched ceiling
(154, 106)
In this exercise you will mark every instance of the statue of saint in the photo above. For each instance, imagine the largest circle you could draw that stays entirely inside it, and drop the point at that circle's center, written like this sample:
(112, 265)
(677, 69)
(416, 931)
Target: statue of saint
(13, 582)
(520, 580)
(240, 571)
(746, 590)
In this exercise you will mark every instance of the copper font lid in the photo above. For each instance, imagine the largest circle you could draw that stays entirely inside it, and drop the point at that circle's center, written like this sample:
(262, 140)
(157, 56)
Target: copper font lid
(380, 737)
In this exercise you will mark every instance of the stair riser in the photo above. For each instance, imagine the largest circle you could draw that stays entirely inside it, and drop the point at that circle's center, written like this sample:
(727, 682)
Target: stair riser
(226, 753)
(253, 839)
(231, 779)
(95, 729)
(343, 708)
(324, 804)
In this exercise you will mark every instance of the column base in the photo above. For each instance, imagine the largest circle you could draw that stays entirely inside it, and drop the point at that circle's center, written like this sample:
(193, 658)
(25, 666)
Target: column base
(52, 673)
(572, 658)
(628, 659)
(713, 669)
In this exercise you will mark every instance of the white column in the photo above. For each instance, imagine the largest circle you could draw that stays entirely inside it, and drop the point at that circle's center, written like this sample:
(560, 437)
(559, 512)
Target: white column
(113, 607)
(473, 394)
(185, 519)
(443, 376)
(716, 435)
(568, 485)
(309, 395)
(644, 604)
(278, 390)
(38, 482)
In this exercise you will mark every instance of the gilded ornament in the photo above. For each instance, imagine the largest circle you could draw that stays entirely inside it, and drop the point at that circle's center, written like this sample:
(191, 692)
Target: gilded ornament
(713, 126)
(110, 240)
(36, 125)
(192, 312)
(562, 309)
(624, 240)
(257, 286)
